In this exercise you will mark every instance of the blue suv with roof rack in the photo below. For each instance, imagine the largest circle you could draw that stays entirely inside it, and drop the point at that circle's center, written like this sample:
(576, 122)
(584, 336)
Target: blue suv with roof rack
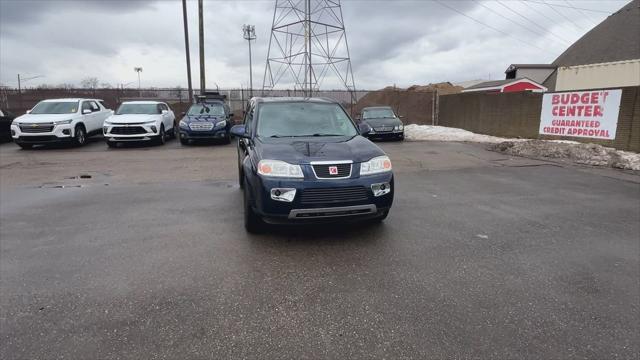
(207, 119)
(305, 160)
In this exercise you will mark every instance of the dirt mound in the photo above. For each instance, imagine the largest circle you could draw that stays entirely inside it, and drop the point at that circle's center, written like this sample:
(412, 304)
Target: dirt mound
(415, 103)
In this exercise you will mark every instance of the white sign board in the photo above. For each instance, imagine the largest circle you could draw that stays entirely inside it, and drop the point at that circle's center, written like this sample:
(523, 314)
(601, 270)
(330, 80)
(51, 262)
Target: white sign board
(588, 114)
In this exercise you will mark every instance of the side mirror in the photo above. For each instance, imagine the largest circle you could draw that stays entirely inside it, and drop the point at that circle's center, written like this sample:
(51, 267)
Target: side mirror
(364, 128)
(86, 111)
(230, 115)
(400, 116)
(165, 112)
(28, 112)
(358, 116)
(239, 131)
(183, 113)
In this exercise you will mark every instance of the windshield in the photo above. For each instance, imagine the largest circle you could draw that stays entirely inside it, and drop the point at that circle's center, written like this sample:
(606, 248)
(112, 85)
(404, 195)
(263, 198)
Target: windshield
(206, 109)
(303, 119)
(55, 107)
(377, 113)
(148, 109)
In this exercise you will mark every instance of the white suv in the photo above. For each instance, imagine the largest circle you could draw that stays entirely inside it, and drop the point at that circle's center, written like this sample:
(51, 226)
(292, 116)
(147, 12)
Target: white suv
(59, 120)
(139, 121)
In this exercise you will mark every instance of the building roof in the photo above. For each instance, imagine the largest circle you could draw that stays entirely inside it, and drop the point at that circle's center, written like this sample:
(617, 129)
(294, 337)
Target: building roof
(498, 84)
(614, 39)
(529, 66)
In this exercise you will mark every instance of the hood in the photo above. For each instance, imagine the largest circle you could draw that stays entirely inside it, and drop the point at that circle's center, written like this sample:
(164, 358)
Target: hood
(203, 117)
(44, 118)
(383, 121)
(132, 118)
(307, 149)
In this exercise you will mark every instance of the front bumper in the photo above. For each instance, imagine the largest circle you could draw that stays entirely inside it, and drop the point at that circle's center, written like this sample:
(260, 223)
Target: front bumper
(215, 133)
(59, 133)
(134, 132)
(366, 205)
(387, 135)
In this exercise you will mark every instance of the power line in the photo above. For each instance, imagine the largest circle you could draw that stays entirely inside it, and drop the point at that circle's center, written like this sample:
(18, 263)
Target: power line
(533, 22)
(561, 14)
(491, 27)
(506, 18)
(572, 7)
(586, 16)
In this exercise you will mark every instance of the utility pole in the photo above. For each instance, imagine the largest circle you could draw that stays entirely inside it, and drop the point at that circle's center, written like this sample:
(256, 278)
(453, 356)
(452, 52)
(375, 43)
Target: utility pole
(19, 89)
(250, 34)
(186, 47)
(201, 25)
(307, 40)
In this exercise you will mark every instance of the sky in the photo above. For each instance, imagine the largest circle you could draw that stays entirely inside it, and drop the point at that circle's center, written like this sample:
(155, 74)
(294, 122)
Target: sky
(401, 42)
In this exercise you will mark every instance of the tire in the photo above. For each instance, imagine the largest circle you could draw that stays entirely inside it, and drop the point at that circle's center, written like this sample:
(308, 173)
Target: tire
(184, 141)
(162, 137)
(26, 146)
(252, 222)
(112, 144)
(240, 177)
(80, 135)
(172, 133)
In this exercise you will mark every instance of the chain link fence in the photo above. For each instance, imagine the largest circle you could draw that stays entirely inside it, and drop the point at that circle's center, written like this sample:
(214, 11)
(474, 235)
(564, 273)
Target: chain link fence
(417, 107)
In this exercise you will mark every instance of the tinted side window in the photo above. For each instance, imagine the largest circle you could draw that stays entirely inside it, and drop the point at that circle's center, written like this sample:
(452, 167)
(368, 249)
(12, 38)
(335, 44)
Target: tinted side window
(94, 106)
(86, 106)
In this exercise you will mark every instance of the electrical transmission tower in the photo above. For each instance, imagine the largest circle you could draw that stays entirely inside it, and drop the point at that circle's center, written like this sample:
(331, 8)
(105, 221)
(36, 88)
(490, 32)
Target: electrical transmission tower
(308, 45)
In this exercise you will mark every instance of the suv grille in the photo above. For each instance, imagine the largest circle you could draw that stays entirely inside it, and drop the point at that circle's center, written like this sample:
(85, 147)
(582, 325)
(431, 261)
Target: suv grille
(36, 128)
(334, 195)
(331, 171)
(128, 130)
(201, 126)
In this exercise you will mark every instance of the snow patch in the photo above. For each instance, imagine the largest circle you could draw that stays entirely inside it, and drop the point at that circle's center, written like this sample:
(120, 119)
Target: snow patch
(581, 153)
(588, 154)
(415, 132)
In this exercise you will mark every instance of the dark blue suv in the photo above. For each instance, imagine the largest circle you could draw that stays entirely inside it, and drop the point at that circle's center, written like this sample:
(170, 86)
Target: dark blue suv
(305, 160)
(206, 119)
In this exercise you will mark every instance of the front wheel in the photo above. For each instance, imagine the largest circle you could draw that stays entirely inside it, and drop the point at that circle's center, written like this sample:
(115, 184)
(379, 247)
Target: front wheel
(112, 144)
(80, 135)
(252, 222)
(162, 137)
(26, 146)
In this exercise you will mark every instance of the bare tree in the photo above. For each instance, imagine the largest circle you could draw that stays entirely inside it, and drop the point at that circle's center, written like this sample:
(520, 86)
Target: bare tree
(105, 85)
(89, 83)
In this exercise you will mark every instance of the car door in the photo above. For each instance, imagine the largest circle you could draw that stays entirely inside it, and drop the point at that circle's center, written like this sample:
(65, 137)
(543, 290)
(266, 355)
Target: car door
(169, 117)
(88, 116)
(97, 115)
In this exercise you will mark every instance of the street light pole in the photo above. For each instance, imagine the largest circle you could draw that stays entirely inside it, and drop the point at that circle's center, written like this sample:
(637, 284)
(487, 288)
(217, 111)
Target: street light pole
(201, 45)
(186, 46)
(138, 70)
(250, 34)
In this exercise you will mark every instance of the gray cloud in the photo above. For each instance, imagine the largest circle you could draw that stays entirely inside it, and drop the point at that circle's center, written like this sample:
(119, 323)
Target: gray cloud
(402, 42)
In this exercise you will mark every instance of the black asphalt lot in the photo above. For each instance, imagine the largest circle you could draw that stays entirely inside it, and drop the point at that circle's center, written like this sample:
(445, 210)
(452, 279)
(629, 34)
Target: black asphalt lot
(483, 256)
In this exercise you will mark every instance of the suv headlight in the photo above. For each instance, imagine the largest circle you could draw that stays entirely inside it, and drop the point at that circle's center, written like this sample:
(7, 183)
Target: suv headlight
(183, 124)
(376, 165)
(277, 168)
(221, 123)
(62, 122)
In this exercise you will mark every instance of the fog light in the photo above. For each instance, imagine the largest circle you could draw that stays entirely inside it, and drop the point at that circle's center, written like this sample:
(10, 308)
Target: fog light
(380, 189)
(13, 133)
(104, 130)
(66, 131)
(283, 194)
(154, 128)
